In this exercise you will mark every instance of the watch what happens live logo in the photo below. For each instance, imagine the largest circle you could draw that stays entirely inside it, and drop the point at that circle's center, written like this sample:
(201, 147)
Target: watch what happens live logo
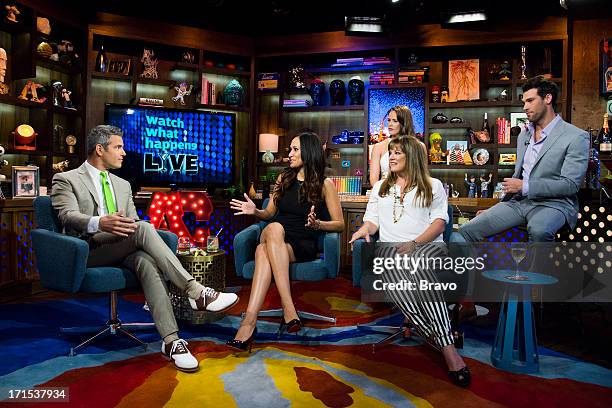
(168, 137)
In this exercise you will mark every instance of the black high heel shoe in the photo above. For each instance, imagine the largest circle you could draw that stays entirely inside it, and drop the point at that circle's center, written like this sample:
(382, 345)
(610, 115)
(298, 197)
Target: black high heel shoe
(243, 345)
(293, 326)
(462, 377)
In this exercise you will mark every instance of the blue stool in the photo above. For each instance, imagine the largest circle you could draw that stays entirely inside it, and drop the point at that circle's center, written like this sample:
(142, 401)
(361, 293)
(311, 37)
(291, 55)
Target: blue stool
(515, 347)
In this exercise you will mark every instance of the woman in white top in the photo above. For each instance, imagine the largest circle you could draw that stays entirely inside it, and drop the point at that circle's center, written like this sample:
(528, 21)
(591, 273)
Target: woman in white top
(399, 123)
(411, 207)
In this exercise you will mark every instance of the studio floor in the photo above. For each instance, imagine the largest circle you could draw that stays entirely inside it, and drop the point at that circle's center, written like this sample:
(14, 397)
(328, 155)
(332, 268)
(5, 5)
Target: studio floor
(324, 365)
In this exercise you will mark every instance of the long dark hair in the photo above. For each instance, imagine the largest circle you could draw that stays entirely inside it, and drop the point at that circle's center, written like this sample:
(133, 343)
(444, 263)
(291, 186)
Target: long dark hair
(415, 172)
(313, 159)
(404, 117)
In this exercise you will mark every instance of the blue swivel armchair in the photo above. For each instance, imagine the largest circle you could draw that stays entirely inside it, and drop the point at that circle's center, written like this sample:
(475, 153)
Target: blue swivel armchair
(62, 264)
(326, 267)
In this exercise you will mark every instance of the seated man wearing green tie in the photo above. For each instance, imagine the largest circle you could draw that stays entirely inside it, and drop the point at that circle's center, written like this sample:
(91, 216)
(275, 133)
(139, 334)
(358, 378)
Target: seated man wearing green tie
(97, 206)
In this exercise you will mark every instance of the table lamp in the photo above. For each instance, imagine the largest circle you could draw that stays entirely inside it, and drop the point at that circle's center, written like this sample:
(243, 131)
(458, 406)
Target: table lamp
(268, 143)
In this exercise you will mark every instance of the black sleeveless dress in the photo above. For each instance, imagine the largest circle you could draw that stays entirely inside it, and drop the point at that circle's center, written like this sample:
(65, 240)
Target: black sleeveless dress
(292, 215)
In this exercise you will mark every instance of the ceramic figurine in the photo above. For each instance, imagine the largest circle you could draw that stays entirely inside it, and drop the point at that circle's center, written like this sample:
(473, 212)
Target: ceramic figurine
(439, 118)
(436, 154)
(66, 102)
(435, 94)
(4, 89)
(233, 94)
(505, 73)
(356, 90)
(337, 92)
(66, 53)
(61, 166)
(484, 185)
(29, 92)
(454, 193)
(150, 64)
(181, 92)
(471, 185)
(444, 94)
(317, 91)
(11, 13)
(57, 92)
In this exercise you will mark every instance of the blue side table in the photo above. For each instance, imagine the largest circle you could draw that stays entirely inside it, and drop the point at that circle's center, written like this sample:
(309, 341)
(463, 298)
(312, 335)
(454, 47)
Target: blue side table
(515, 347)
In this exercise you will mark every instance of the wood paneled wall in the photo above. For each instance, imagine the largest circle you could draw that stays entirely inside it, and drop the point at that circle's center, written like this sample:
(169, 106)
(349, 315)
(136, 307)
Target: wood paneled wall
(588, 106)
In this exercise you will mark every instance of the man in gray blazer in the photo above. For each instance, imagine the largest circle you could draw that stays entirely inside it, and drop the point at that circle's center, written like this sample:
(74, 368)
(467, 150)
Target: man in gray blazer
(97, 206)
(552, 158)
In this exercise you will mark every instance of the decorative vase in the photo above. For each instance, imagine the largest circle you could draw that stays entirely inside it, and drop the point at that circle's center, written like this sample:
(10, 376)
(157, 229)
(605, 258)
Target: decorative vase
(317, 89)
(355, 90)
(252, 193)
(233, 94)
(267, 157)
(337, 92)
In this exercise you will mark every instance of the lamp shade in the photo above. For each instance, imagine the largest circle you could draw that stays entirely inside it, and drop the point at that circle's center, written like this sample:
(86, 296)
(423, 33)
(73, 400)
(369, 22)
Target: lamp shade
(268, 142)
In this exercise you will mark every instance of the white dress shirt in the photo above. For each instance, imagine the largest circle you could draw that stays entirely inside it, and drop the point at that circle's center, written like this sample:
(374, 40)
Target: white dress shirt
(414, 219)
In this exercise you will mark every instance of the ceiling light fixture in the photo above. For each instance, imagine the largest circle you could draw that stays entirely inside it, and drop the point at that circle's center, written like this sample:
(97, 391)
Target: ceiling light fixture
(466, 17)
(363, 25)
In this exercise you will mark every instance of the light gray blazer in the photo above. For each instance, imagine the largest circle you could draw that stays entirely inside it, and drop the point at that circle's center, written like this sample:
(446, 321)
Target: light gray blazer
(559, 169)
(75, 198)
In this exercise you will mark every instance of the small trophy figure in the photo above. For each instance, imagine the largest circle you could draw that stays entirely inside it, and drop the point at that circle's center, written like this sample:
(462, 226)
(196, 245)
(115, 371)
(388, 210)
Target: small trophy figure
(523, 62)
(70, 142)
(484, 185)
(471, 185)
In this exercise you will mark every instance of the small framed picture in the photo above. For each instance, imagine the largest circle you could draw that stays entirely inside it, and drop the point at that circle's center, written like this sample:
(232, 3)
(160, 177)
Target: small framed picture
(456, 145)
(26, 181)
(120, 66)
(518, 119)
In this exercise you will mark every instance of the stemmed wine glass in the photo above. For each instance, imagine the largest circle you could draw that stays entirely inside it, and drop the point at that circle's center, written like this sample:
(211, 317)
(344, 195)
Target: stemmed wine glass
(518, 251)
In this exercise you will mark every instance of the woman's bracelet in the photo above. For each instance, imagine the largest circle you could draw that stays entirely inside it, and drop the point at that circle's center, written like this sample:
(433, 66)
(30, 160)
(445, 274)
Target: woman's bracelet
(317, 224)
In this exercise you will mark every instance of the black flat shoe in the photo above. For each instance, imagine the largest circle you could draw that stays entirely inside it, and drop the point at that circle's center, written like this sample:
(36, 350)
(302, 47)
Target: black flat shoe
(242, 345)
(461, 377)
(293, 326)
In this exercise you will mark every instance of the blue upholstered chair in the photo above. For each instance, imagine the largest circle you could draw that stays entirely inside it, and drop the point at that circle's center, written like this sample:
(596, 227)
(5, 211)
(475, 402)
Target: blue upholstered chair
(326, 267)
(62, 264)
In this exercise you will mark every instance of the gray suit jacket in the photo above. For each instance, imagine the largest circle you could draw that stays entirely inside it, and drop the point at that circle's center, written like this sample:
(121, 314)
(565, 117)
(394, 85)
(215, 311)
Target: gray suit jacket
(75, 198)
(559, 169)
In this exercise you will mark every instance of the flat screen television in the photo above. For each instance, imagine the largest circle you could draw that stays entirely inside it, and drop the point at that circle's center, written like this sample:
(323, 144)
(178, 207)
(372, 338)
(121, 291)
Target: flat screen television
(189, 148)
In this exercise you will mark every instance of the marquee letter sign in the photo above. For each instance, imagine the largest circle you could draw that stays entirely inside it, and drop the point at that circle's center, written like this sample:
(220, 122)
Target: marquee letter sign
(167, 209)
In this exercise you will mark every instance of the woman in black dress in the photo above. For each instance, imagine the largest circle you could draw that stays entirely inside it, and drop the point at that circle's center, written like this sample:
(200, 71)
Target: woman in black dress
(301, 194)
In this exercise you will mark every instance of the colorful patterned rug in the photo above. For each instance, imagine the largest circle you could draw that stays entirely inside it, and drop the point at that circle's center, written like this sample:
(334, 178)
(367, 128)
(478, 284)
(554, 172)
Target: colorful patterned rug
(325, 365)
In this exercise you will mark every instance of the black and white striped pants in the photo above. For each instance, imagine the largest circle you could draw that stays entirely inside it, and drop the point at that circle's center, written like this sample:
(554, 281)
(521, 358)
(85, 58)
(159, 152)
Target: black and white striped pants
(426, 309)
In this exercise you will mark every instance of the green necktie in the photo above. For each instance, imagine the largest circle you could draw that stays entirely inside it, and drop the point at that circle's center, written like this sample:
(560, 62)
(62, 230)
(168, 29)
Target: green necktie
(108, 195)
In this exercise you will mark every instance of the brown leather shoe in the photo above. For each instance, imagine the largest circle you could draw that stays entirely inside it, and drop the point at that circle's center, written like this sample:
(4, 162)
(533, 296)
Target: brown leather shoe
(212, 301)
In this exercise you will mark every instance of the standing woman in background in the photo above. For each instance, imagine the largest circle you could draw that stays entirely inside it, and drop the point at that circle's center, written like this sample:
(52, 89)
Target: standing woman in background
(399, 123)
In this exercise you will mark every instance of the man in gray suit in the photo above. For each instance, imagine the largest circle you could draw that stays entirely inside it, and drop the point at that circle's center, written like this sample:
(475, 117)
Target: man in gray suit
(552, 158)
(97, 206)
